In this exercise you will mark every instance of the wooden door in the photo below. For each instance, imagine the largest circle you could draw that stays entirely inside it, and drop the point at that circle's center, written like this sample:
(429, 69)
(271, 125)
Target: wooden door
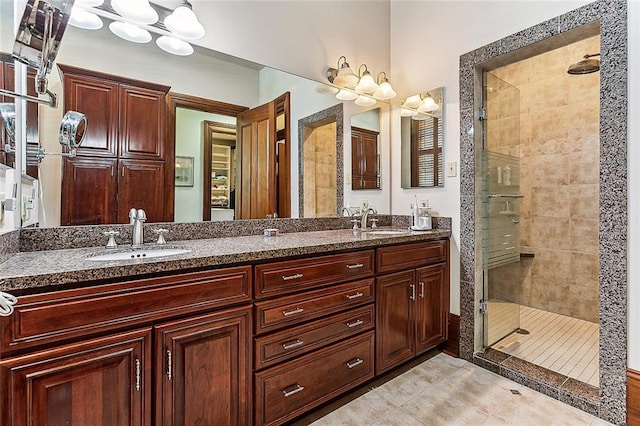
(431, 312)
(394, 320)
(88, 191)
(203, 375)
(103, 381)
(97, 99)
(142, 123)
(259, 174)
(141, 185)
(364, 159)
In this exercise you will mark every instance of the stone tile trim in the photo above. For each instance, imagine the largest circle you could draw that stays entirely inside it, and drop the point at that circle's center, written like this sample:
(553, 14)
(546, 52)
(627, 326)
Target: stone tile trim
(611, 17)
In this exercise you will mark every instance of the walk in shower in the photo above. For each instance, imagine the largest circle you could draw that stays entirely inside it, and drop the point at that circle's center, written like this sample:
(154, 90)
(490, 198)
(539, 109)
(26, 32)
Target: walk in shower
(540, 211)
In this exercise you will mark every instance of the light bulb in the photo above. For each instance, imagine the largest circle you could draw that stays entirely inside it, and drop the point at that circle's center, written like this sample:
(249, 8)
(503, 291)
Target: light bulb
(130, 32)
(413, 101)
(174, 46)
(429, 105)
(366, 84)
(346, 95)
(384, 92)
(365, 101)
(184, 23)
(86, 20)
(136, 11)
(346, 76)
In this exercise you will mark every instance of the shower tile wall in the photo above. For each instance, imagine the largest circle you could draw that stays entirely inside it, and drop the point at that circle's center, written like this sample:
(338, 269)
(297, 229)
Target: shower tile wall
(320, 171)
(559, 158)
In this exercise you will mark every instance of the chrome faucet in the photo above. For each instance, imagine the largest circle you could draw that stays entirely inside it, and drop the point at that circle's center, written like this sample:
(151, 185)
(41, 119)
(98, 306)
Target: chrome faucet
(137, 218)
(365, 217)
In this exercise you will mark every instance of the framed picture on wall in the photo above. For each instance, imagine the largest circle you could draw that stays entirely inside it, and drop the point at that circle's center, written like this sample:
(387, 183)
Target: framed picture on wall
(184, 171)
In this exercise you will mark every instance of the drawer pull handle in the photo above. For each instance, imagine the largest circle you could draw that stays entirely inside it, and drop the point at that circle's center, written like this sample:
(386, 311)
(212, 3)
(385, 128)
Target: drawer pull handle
(413, 292)
(356, 362)
(292, 390)
(169, 366)
(421, 290)
(292, 277)
(355, 266)
(287, 346)
(293, 312)
(355, 323)
(138, 374)
(354, 296)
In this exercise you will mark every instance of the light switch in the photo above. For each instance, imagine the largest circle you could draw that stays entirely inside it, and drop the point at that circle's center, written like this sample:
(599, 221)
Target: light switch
(452, 169)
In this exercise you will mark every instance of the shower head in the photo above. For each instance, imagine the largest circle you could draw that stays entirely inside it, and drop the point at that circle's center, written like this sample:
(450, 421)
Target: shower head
(586, 66)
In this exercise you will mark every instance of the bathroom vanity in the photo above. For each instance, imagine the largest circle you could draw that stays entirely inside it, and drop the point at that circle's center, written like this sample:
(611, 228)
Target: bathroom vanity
(240, 330)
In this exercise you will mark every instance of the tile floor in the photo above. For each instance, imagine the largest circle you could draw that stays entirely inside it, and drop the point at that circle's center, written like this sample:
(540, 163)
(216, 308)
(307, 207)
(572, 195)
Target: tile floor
(443, 390)
(566, 345)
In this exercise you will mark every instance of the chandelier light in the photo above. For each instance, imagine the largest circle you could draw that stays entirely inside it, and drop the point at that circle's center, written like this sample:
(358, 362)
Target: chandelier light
(130, 32)
(184, 23)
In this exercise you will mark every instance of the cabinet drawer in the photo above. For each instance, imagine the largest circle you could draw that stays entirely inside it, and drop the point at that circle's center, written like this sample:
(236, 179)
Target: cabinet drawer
(290, 389)
(303, 274)
(408, 256)
(290, 310)
(62, 315)
(286, 344)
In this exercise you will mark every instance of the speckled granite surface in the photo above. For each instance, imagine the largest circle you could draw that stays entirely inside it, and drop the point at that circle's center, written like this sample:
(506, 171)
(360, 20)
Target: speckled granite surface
(26, 272)
(611, 17)
(9, 245)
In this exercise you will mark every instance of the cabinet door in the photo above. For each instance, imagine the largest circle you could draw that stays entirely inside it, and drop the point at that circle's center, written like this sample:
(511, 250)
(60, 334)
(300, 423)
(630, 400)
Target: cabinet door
(142, 123)
(432, 307)
(98, 100)
(141, 184)
(394, 319)
(204, 371)
(88, 191)
(98, 382)
(364, 159)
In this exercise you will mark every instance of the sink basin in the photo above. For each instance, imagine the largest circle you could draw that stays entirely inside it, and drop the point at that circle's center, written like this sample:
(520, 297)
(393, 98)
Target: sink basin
(389, 232)
(139, 253)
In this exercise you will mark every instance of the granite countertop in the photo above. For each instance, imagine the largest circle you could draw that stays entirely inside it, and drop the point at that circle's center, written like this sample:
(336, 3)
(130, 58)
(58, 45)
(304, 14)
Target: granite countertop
(30, 272)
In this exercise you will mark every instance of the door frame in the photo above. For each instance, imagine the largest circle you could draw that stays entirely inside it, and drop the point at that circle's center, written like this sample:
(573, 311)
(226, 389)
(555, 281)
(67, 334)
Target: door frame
(611, 19)
(175, 100)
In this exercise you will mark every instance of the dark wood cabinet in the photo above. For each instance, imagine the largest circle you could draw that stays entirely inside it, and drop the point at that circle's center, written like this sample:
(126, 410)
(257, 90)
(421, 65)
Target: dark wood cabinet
(126, 124)
(365, 171)
(203, 374)
(412, 305)
(103, 381)
(140, 185)
(88, 190)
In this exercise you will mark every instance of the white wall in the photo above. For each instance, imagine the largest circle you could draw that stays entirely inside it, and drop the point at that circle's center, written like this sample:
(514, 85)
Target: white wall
(419, 64)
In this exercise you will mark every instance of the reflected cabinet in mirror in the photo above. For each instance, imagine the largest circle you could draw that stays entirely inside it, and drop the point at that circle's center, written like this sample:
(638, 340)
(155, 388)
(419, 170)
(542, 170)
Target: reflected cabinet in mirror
(365, 148)
(422, 140)
(147, 111)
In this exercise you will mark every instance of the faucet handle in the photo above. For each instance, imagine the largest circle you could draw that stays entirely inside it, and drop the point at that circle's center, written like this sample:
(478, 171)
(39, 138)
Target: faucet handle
(112, 238)
(355, 224)
(374, 223)
(161, 233)
(141, 215)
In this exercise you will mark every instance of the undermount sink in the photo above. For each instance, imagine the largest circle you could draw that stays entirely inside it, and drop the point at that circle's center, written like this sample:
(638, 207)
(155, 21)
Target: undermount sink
(389, 232)
(139, 253)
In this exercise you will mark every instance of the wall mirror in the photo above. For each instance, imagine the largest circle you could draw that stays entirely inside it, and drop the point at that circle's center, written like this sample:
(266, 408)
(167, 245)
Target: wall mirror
(422, 140)
(365, 150)
(209, 76)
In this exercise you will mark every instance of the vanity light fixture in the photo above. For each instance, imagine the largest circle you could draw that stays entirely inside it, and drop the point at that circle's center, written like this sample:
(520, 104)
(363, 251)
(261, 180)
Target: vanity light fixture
(136, 11)
(384, 91)
(366, 84)
(184, 23)
(130, 32)
(408, 112)
(419, 104)
(344, 75)
(429, 105)
(174, 46)
(89, 3)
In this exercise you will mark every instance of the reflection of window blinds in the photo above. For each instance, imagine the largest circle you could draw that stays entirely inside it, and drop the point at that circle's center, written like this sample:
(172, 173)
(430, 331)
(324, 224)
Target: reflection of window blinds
(425, 151)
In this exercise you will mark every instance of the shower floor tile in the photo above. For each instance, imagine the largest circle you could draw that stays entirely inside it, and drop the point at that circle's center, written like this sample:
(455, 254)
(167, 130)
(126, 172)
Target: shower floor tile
(559, 343)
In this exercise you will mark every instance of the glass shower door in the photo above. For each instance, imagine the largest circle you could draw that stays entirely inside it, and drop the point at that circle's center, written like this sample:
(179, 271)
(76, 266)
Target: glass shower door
(501, 209)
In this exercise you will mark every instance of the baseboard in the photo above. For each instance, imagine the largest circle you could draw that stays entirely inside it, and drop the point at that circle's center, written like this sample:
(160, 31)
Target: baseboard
(452, 346)
(633, 397)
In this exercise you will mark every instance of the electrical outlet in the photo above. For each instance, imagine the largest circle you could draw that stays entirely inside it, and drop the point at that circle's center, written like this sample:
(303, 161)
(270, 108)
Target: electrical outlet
(452, 169)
